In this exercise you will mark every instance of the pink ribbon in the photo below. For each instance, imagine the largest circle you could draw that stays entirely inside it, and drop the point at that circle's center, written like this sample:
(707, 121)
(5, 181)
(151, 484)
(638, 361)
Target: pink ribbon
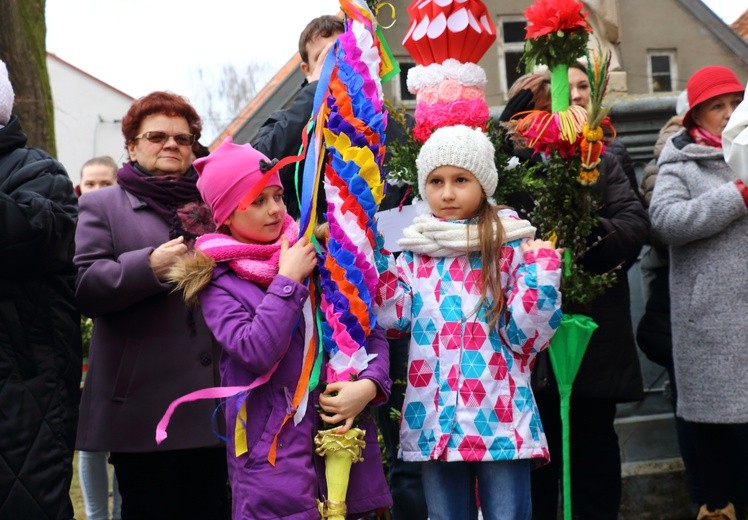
(216, 392)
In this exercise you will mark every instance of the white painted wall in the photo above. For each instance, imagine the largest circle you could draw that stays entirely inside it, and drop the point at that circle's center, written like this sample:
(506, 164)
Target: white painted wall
(88, 115)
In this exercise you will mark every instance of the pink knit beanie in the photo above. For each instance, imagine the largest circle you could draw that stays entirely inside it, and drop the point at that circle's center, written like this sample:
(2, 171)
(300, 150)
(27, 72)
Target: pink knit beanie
(228, 174)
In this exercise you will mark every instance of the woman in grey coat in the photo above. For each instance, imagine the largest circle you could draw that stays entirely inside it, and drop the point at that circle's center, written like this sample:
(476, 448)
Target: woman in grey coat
(700, 210)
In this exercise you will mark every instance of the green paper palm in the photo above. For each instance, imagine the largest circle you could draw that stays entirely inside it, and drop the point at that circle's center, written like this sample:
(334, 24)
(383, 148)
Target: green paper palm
(566, 351)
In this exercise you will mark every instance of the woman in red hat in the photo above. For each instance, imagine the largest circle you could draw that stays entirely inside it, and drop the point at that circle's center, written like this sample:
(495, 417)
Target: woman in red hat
(699, 209)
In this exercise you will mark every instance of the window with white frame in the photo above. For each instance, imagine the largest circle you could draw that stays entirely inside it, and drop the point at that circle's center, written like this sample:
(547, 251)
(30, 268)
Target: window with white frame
(511, 45)
(662, 71)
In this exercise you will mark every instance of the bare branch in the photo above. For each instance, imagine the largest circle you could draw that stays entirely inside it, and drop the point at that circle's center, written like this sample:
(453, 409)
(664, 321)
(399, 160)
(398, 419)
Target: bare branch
(222, 98)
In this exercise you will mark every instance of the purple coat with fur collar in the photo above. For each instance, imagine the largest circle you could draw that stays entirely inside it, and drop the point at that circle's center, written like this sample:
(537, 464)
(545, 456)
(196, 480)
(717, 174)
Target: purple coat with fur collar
(148, 348)
(257, 328)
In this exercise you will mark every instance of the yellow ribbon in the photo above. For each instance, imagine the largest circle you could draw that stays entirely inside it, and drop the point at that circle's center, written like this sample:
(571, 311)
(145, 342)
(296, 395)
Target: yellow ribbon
(392, 11)
(240, 431)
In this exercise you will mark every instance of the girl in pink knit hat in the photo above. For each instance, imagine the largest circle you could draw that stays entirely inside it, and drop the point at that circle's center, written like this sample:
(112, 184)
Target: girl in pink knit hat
(249, 279)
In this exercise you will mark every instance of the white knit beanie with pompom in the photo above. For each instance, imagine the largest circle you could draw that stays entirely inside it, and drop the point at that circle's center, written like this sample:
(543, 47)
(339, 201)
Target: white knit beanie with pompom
(6, 95)
(461, 146)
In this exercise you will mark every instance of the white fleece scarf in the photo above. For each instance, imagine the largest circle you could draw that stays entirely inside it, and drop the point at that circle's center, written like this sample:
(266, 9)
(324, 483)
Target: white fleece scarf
(432, 236)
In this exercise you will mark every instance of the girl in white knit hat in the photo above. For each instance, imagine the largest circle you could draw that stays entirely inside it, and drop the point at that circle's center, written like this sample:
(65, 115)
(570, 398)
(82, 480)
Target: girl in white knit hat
(480, 297)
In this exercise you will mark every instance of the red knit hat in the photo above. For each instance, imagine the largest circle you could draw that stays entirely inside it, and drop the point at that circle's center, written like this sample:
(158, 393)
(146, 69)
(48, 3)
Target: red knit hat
(709, 82)
(228, 174)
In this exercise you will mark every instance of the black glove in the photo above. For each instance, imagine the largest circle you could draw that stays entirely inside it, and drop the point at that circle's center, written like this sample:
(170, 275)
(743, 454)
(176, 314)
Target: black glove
(519, 102)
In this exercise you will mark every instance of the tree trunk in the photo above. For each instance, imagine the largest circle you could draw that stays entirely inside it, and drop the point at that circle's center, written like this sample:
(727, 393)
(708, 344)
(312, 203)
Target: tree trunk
(23, 49)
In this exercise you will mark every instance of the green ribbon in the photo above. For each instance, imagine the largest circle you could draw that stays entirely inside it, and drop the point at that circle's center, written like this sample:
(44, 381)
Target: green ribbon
(317, 367)
(309, 127)
(314, 376)
(390, 65)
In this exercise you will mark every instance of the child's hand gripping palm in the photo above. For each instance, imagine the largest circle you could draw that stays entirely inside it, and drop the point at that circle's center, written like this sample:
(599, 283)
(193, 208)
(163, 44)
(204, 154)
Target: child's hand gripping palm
(535, 244)
(344, 400)
(298, 261)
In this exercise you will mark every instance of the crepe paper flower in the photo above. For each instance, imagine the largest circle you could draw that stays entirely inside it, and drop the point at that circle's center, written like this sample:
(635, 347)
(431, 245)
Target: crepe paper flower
(557, 34)
(465, 74)
(449, 93)
(473, 113)
(553, 16)
(547, 131)
(588, 177)
(439, 29)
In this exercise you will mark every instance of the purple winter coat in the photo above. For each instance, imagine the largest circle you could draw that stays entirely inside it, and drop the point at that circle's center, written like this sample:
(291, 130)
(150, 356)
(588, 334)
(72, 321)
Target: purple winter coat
(256, 329)
(147, 347)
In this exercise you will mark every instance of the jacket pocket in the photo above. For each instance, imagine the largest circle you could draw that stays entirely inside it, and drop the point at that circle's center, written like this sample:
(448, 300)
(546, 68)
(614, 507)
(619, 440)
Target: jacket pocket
(263, 422)
(698, 302)
(127, 364)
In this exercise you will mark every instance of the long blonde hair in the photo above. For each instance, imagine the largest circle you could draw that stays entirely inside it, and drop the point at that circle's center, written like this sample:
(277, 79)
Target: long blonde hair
(491, 237)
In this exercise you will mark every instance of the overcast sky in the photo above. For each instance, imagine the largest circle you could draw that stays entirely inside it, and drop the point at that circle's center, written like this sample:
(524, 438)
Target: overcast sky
(139, 46)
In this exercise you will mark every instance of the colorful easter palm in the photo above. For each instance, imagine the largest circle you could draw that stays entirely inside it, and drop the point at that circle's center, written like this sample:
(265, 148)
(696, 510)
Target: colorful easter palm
(346, 156)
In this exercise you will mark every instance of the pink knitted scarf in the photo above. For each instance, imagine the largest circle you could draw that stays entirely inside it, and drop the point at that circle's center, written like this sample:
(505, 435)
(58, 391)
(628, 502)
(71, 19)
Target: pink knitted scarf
(255, 262)
(705, 137)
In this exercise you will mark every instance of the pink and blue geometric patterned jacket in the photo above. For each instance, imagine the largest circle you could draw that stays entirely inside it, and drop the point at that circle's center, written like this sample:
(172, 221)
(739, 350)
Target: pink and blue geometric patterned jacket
(468, 396)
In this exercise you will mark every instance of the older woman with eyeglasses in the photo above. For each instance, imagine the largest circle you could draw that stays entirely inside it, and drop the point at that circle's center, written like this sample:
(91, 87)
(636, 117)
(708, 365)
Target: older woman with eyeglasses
(148, 348)
(699, 209)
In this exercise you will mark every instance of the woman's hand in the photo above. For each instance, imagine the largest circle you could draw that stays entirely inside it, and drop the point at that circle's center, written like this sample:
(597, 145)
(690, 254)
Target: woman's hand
(298, 261)
(164, 256)
(344, 400)
(519, 102)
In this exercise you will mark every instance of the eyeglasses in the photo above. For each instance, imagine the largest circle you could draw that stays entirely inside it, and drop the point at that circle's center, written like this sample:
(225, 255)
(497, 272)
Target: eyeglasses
(157, 137)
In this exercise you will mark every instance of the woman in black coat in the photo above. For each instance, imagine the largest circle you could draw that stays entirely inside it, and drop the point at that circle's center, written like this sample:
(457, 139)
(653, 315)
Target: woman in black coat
(40, 349)
(610, 371)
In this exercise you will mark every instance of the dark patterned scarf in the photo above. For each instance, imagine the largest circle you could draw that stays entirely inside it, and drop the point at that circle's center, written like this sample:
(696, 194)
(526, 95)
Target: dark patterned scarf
(173, 197)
